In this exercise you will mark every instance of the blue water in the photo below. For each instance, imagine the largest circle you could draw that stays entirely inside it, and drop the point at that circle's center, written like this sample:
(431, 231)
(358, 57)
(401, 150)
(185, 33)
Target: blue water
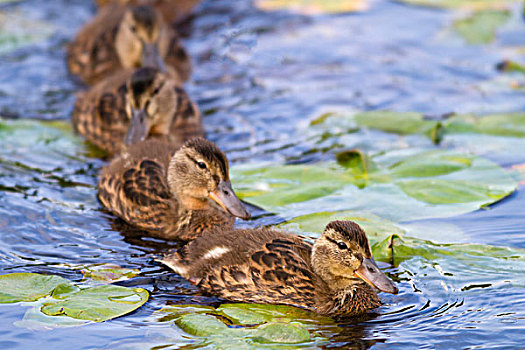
(259, 78)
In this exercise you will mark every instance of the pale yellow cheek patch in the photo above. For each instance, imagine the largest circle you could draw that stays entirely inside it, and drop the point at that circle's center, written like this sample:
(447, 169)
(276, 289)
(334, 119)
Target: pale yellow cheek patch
(216, 252)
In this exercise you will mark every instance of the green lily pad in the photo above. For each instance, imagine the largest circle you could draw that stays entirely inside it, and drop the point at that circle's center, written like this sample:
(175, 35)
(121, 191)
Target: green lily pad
(250, 314)
(480, 27)
(401, 185)
(276, 324)
(401, 123)
(405, 123)
(201, 325)
(396, 249)
(97, 303)
(17, 287)
(16, 30)
(172, 312)
(509, 124)
(281, 333)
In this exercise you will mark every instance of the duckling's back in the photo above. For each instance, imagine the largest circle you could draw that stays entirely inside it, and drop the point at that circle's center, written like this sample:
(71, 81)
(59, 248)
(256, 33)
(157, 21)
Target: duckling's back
(256, 266)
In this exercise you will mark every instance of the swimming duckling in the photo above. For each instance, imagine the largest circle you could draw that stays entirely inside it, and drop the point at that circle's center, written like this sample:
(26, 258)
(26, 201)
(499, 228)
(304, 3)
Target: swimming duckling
(173, 194)
(333, 277)
(127, 37)
(172, 10)
(133, 105)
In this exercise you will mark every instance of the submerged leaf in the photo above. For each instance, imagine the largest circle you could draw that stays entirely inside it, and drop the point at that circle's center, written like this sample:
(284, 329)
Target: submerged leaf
(480, 27)
(97, 303)
(108, 272)
(17, 287)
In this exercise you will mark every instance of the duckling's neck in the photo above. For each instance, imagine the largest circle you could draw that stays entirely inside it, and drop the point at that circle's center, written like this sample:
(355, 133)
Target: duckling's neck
(355, 299)
(188, 204)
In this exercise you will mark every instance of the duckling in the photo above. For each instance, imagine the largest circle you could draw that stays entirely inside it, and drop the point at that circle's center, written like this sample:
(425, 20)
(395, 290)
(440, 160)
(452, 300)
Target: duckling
(132, 105)
(172, 10)
(127, 37)
(172, 194)
(332, 277)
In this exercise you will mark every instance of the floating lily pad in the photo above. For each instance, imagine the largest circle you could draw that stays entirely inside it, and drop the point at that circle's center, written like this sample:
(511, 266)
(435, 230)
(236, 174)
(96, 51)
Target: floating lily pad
(396, 249)
(17, 287)
(264, 324)
(509, 124)
(480, 27)
(404, 123)
(201, 325)
(401, 123)
(311, 7)
(281, 333)
(97, 303)
(402, 185)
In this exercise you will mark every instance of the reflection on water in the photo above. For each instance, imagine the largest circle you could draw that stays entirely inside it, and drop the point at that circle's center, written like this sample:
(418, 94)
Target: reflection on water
(259, 78)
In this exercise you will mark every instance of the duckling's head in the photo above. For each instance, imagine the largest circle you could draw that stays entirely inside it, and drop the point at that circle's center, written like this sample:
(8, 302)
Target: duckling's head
(198, 175)
(151, 103)
(137, 40)
(342, 258)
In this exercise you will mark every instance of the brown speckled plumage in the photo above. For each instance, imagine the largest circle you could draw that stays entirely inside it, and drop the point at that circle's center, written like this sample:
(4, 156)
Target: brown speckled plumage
(94, 53)
(160, 188)
(273, 267)
(101, 114)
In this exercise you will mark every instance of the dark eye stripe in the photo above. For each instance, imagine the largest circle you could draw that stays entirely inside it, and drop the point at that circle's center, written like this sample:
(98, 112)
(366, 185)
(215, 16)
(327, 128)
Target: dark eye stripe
(340, 245)
(156, 91)
(199, 164)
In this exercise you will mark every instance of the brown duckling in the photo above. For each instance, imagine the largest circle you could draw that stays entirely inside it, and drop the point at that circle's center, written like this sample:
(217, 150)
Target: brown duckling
(132, 105)
(173, 195)
(127, 37)
(333, 277)
(172, 10)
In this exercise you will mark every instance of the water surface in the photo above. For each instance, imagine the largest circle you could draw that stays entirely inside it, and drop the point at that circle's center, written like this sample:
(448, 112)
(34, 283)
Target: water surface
(259, 78)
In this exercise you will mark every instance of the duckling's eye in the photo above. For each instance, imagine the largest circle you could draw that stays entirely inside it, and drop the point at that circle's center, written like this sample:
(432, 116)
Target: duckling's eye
(201, 165)
(133, 29)
(342, 245)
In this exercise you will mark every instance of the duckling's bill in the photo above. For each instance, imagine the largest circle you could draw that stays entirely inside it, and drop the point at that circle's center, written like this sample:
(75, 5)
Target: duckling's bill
(138, 128)
(370, 273)
(151, 57)
(226, 198)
